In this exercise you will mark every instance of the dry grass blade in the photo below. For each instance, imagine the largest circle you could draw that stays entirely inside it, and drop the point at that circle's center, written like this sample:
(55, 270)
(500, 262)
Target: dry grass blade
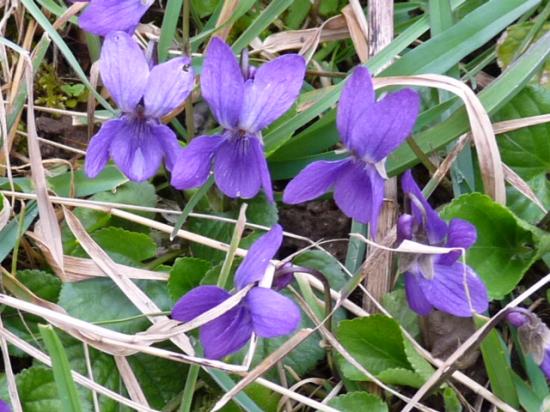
(129, 288)
(47, 225)
(357, 26)
(332, 29)
(228, 9)
(78, 378)
(515, 180)
(482, 132)
(130, 381)
(10, 378)
(264, 366)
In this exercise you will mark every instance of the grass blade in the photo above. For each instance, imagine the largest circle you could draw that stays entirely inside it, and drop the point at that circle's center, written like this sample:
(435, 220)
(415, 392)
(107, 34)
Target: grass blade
(66, 388)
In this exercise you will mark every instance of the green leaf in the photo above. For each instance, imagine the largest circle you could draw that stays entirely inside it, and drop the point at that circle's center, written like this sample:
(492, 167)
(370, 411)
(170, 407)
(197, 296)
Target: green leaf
(452, 403)
(420, 365)
(123, 246)
(213, 229)
(185, 275)
(160, 379)
(326, 264)
(261, 211)
(396, 304)
(527, 150)
(401, 376)
(375, 342)
(70, 399)
(100, 300)
(43, 284)
(512, 39)
(358, 401)
(505, 248)
(38, 391)
(204, 8)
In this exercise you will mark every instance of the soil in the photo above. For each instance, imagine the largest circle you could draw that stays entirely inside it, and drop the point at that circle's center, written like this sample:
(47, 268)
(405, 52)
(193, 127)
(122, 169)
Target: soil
(315, 220)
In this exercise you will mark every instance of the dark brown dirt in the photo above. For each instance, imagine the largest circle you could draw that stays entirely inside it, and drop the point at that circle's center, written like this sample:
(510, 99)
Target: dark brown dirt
(315, 220)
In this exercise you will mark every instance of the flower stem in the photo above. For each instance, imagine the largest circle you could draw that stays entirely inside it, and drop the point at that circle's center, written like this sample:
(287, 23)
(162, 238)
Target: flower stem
(189, 389)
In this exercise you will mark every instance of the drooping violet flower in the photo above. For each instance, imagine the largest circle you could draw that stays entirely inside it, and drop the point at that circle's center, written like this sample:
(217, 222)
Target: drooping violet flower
(370, 130)
(137, 141)
(102, 17)
(438, 281)
(534, 336)
(263, 311)
(244, 106)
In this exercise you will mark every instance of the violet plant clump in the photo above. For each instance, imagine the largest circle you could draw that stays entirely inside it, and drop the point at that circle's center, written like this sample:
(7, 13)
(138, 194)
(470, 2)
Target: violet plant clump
(534, 336)
(263, 311)
(370, 130)
(244, 104)
(137, 141)
(102, 17)
(442, 282)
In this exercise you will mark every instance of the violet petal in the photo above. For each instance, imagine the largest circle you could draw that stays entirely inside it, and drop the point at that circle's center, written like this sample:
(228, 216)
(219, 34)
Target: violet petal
(168, 86)
(255, 263)
(222, 83)
(356, 100)
(272, 313)
(136, 151)
(97, 154)
(104, 16)
(121, 56)
(359, 193)
(194, 162)
(415, 296)
(545, 365)
(313, 181)
(405, 225)
(387, 124)
(168, 142)
(446, 291)
(236, 167)
(460, 234)
(198, 301)
(274, 89)
(423, 213)
(226, 334)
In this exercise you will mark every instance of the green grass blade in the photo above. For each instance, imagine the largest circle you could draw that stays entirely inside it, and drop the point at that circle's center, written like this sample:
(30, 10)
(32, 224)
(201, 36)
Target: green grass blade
(66, 388)
(497, 365)
(506, 86)
(443, 51)
(226, 383)
(169, 27)
(266, 17)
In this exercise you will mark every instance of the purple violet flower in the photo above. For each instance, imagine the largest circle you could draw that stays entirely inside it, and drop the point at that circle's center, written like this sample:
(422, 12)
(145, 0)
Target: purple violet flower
(104, 16)
(263, 311)
(244, 106)
(137, 141)
(534, 336)
(370, 130)
(437, 281)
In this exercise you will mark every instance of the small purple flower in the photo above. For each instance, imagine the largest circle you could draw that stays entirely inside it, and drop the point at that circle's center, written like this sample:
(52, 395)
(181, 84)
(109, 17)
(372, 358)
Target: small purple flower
(137, 141)
(104, 16)
(438, 281)
(371, 131)
(263, 311)
(534, 336)
(244, 106)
